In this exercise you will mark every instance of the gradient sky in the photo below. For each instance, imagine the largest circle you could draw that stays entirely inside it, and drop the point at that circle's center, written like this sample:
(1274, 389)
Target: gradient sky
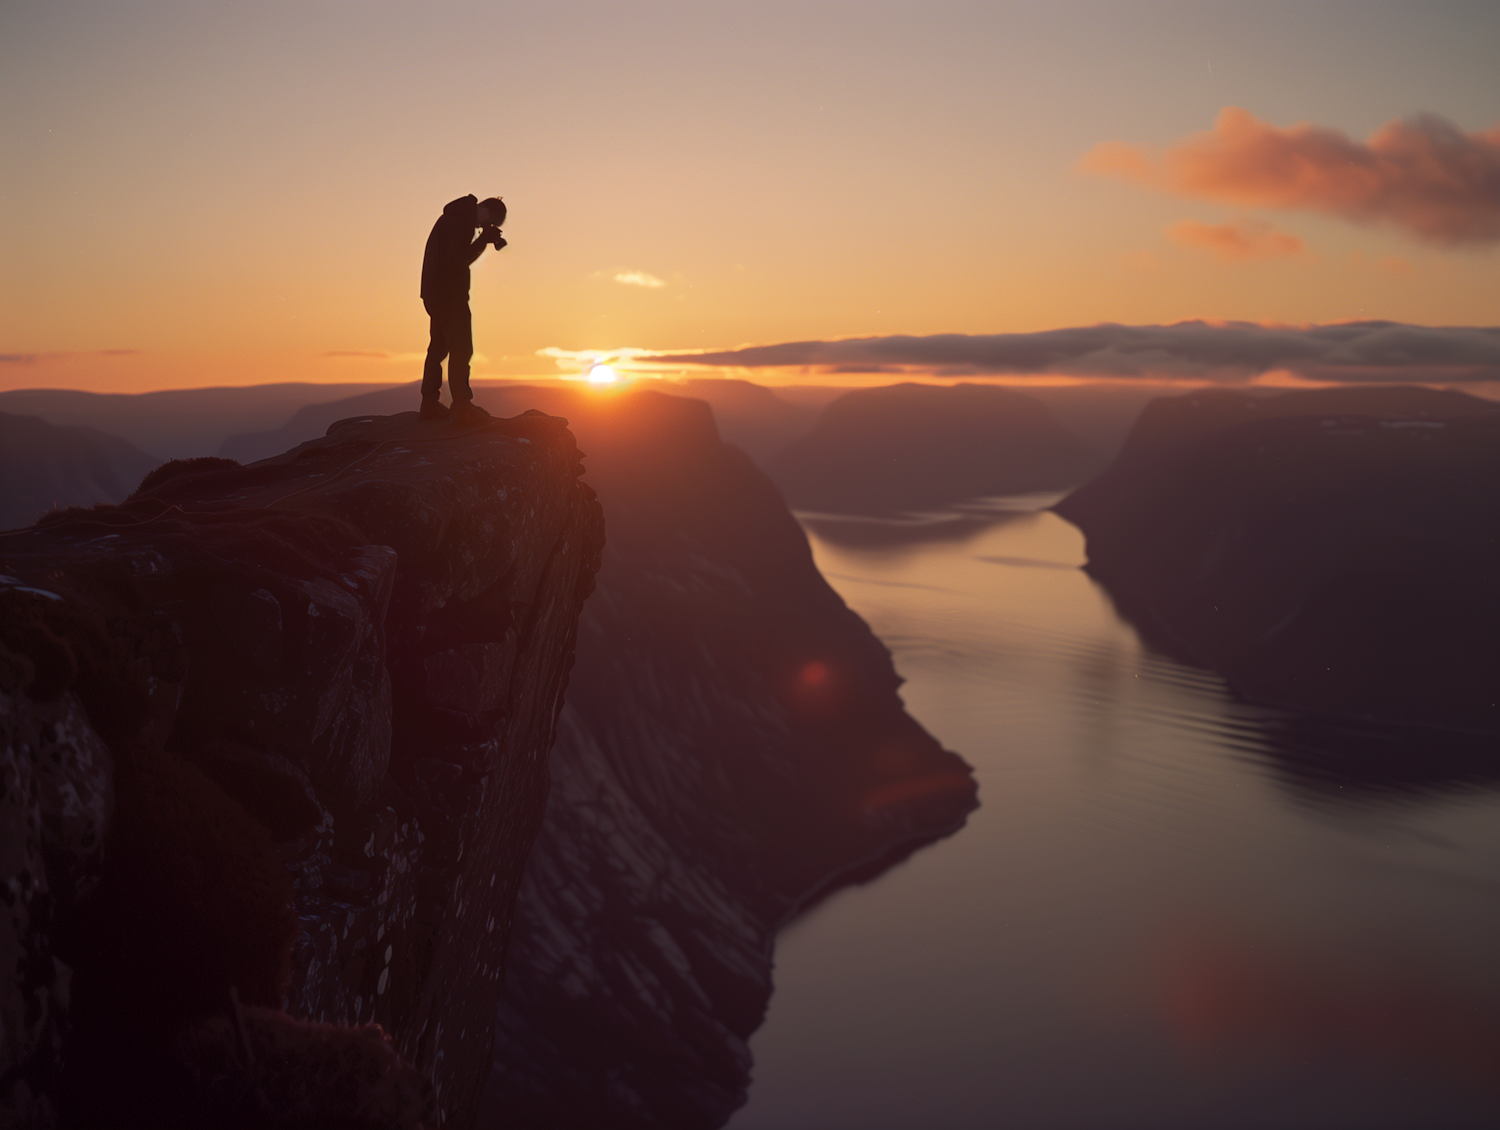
(203, 193)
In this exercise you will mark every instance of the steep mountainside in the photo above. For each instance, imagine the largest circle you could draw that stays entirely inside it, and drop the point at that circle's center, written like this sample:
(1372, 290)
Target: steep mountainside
(304, 708)
(733, 747)
(909, 446)
(1333, 551)
(44, 468)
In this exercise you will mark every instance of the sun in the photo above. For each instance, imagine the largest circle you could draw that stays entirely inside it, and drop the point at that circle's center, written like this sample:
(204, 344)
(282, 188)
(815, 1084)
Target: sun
(602, 375)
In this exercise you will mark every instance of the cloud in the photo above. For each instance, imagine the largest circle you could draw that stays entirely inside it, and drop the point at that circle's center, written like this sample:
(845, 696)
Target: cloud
(1239, 240)
(1423, 174)
(582, 360)
(1235, 351)
(32, 358)
(638, 278)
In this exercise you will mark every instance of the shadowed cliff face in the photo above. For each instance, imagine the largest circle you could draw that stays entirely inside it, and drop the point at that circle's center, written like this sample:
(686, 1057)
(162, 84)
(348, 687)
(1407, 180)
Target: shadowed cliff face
(305, 708)
(732, 749)
(1331, 551)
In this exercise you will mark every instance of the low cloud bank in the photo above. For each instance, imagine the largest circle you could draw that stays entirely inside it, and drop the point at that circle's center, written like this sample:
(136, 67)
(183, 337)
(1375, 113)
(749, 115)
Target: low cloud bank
(1423, 174)
(1359, 352)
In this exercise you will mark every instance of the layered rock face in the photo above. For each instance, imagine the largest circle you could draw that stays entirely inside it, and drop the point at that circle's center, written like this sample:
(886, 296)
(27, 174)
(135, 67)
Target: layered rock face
(1332, 551)
(909, 446)
(733, 748)
(275, 752)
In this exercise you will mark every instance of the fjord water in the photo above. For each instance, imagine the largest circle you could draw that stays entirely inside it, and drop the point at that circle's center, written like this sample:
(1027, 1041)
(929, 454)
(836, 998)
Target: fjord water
(1172, 909)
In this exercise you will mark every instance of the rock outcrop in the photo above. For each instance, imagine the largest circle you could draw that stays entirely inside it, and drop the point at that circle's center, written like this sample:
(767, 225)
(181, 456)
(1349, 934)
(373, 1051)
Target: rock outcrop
(733, 748)
(44, 468)
(909, 447)
(1331, 551)
(275, 752)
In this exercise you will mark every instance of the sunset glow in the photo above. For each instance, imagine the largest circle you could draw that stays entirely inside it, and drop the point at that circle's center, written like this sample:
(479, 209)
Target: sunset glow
(255, 229)
(750, 564)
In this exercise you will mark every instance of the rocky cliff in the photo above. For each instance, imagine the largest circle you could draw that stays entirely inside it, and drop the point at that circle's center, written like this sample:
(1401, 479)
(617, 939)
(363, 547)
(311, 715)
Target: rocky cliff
(275, 750)
(733, 747)
(1332, 551)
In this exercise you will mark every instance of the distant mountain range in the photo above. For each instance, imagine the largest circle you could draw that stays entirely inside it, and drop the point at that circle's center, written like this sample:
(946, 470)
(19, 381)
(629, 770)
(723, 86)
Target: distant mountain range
(176, 423)
(45, 467)
(768, 424)
(910, 446)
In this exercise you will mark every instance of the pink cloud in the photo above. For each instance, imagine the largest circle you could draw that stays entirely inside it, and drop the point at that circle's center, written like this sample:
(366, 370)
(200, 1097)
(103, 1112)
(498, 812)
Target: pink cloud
(1423, 174)
(1241, 239)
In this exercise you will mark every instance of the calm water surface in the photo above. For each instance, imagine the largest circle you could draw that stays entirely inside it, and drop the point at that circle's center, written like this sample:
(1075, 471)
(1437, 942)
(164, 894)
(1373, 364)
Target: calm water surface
(1171, 909)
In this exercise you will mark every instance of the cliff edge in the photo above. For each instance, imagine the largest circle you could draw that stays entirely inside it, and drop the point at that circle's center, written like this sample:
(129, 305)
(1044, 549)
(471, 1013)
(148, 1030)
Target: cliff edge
(275, 751)
(733, 749)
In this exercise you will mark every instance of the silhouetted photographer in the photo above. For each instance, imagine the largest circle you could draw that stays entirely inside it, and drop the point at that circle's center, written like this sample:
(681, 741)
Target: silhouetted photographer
(451, 248)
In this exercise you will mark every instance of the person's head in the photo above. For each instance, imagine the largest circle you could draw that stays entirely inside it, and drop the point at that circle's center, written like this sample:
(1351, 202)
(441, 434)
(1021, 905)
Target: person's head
(491, 212)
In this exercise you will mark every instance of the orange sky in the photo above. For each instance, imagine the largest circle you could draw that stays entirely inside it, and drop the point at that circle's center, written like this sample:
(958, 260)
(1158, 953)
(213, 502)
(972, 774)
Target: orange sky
(204, 194)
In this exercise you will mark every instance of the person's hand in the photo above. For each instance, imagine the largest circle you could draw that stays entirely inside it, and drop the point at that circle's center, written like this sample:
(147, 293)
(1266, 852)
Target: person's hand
(493, 235)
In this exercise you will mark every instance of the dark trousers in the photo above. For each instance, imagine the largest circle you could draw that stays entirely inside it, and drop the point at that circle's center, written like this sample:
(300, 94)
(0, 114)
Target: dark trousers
(453, 338)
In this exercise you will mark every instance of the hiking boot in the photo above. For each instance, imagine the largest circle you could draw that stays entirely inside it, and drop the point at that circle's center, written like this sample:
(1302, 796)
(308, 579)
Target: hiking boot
(433, 409)
(467, 412)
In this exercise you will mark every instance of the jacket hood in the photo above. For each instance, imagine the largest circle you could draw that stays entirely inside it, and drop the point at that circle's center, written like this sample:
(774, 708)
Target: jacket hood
(464, 208)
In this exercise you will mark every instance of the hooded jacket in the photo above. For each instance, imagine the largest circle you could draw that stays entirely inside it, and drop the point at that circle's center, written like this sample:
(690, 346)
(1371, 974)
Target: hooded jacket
(450, 249)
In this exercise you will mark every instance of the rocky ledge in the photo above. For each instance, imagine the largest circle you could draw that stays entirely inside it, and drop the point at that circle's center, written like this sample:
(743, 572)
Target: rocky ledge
(275, 751)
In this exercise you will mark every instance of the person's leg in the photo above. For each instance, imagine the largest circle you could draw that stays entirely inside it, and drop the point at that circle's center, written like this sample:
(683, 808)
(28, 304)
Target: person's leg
(437, 349)
(460, 333)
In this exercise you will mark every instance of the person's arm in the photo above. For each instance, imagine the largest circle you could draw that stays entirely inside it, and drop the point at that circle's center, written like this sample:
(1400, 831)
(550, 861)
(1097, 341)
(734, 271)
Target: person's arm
(487, 236)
